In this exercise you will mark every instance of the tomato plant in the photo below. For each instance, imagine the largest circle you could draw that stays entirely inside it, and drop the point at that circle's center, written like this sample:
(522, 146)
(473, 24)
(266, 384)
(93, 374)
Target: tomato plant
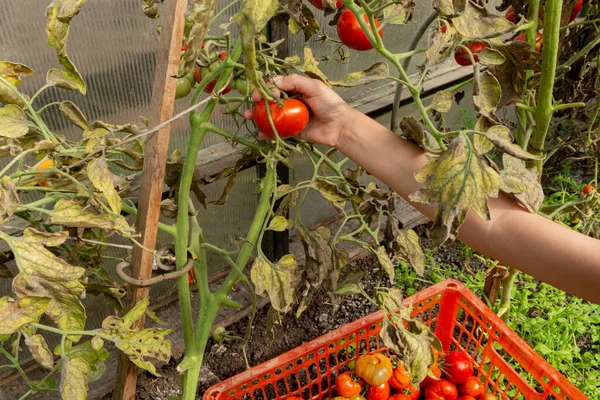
(347, 386)
(458, 366)
(462, 56)
(351, 33)
(289, 120)
(374, 369)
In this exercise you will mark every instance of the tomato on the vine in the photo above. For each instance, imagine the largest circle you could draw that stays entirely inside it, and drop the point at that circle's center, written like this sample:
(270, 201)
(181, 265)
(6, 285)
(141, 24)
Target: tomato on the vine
(191, 277)
(510, 14)
(472, 387)
(42, 179)
(347, 386)
(462, 56)
(289, 121)
(379, 392)
(184, 87)
(539, 40)
(400, 377)
(242, 86)
(351, 34)
(587, 189)
(458, 367)
(319, 4)
(375, 369)
(441, 390)
(576, 10)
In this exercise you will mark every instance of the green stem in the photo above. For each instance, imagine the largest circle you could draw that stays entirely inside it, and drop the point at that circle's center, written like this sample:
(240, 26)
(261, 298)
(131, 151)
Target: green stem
(228, 135)
(14, 161)
(507, 286)
(545, 107)
(16, 365)
(163, 227)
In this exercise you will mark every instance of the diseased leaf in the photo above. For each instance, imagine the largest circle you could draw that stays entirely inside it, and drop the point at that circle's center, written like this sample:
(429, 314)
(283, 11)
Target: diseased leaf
(414, 345)
(40, 351)
(9, 199)
(385, 262)
(227, 189)
(45, 385)
(43, 274)
(58, 17)
(14, 122)
(449, 8)
(374, 73)
(104, 181)
(442, 101)
(330, 192)
(489, 56)
(400, 13)
(278, 281)
(486, 94)
(512, 73)
(12, 72)
(74, 114)
(85, 351)
(412, 129)
(522, 183)
(481, 144)
(5, 272)
(73, 379)
(257, 13)
(500, 137)
(69, 212)
(154, 317)
(457, 181)
(14, 314)
(201, 11)
(351, 284)
(410, 250)
(135, 313)
(301, 19)
(310, 66)
(97, 343)
(478, 23)
(279, 224)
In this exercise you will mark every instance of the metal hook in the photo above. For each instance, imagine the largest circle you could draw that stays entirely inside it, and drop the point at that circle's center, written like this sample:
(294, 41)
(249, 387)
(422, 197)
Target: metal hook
(152, 281)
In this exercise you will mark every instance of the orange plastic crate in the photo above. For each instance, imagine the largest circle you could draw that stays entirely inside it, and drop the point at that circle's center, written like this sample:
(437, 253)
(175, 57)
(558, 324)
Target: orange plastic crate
(460, 320)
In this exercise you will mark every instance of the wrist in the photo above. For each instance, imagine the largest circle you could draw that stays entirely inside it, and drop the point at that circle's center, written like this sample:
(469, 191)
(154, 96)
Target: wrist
(347, 131)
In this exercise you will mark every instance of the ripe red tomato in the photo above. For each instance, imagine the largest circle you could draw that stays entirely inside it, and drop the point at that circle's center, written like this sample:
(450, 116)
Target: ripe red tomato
(375, 369)
(510, 14)
(351, 33)
(489, 396)
(210, 86)
(587, 189)
(289, 121)
(400, 378)
(466, 398)
(399, 396)
(191, 277)
(576, 10)
(347, 386)
(412, 393)
(319, 4)
(472, 387)
(441, 390)
(462, 57)
(379, 392)
(458, 366)
(539, 40)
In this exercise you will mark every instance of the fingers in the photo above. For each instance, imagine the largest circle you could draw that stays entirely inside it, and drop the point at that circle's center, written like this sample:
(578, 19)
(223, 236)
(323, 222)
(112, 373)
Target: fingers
(299, 83)
(248, 114)
(256, 96)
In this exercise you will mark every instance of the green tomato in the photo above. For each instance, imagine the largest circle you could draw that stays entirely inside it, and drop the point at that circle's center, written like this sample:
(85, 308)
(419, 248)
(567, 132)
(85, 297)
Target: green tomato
(242, 86)
(184, 87)
(190, 77)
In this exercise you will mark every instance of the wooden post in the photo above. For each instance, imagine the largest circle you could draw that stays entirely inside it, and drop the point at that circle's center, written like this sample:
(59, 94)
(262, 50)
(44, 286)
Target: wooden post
(155, 157)
(492, 285)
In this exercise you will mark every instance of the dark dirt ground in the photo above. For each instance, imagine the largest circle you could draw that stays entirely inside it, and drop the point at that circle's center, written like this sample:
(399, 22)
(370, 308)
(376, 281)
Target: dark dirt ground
(317, 320)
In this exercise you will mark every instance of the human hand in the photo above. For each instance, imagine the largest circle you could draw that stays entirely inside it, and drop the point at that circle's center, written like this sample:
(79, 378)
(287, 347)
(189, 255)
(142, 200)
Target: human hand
(329, 112)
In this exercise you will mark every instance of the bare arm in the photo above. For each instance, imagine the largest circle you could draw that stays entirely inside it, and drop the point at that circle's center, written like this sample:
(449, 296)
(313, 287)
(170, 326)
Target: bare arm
(528, 242)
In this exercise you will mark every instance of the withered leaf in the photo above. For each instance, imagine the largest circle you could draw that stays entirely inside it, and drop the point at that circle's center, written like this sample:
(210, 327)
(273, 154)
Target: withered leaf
(278, 281)
(522, 183)
(374, 73)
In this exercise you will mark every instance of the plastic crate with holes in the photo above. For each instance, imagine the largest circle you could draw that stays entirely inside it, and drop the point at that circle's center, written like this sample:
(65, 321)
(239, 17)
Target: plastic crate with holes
(459, 319)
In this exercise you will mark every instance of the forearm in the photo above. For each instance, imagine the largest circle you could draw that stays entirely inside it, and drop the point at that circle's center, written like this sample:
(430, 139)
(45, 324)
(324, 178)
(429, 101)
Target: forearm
(528, 242)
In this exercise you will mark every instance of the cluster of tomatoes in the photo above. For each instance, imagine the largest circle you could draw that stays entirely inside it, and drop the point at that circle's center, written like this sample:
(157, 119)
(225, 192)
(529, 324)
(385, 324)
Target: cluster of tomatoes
(377, 377)
(462, 56)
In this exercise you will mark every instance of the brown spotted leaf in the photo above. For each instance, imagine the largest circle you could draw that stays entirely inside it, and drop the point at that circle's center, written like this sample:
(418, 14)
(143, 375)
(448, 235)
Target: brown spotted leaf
(374, 73)
(477, 23)
(457, 181)
(9, 199)
(104, 181)
(15, 314)
(442, 101)
(487, 93)
(71, 213)
(14, 122)
(450, 8)
(277, 280)
(399, 13)
(74, 114)
(330, 192)
(385, 262)
(301, 19)
(40, 351)
(522, 183)
(482, 144)
(310, 66)
(12, 72)
(410, 250)
(43, 274)
(73, 378)
(500, 137)
(412, 129)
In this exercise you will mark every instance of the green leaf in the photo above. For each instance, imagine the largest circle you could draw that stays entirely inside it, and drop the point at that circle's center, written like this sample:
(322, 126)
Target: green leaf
(400, 13)
(74, 114)
(279, 224)
(87, 352)
(201, 11)
(43, 274)
(70, 213)
(104, 181)
(500, 136)
(278, 281)
(489, 56)
(40, 351)
(58, 17)
(12, 72)
(9, 199)
(457, 181)
(374, 73)
(14, 314)
(487, 93)
(385, 262)
(14, 122)
(414, 345)
(154, 317)
(351, 284)
(478, 23)
(135, 313)
(410, 250)
(522, 182)
(73, 380)
(44, 385)
(442, 101)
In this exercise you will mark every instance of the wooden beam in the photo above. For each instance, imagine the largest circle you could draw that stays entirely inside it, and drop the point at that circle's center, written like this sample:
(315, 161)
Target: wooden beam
(153, 175)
